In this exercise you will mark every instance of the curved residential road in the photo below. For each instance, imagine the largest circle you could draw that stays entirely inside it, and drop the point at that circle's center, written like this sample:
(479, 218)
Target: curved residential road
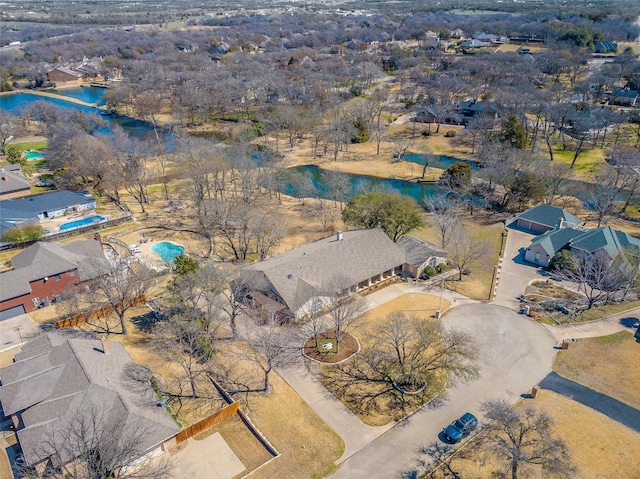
(515, 353)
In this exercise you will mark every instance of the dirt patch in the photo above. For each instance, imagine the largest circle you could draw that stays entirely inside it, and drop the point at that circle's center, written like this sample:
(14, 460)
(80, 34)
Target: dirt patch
(607, 364)
(323, 348)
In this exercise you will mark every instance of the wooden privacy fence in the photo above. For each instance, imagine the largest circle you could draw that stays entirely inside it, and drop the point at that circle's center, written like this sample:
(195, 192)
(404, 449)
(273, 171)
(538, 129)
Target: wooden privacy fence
(207, 422)
(80, 318)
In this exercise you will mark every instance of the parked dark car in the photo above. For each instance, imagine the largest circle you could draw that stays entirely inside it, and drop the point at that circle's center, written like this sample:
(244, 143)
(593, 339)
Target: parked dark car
(637, 335)
(461, 427)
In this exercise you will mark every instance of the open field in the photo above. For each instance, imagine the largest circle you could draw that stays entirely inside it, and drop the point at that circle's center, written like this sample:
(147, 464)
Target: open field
(607, 364)
(597, 445)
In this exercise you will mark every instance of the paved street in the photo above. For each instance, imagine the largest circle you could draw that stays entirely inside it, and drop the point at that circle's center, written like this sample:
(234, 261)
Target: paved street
(515, 354)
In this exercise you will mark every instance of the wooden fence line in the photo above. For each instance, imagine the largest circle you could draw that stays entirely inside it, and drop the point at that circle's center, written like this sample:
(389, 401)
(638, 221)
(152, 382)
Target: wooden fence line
(98, 313)
(208, 422)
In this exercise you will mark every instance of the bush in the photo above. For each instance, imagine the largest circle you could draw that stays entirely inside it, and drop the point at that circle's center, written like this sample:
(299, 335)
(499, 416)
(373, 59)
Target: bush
(450, 134)
(25, 234)
(441, 267)
(430, 271)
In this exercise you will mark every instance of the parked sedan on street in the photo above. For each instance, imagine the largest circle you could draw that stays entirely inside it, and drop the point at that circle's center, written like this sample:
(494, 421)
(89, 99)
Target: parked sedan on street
(461, 427)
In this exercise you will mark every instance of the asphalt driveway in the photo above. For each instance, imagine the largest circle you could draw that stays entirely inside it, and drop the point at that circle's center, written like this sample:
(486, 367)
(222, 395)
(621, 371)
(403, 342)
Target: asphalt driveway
(515, 353)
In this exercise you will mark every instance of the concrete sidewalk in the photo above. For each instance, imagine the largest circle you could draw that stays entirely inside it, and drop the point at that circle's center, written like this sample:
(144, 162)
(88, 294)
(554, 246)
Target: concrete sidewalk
(600, 327)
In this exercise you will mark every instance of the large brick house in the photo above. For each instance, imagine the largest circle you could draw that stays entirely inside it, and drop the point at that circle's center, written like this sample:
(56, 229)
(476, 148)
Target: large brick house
(44, 270)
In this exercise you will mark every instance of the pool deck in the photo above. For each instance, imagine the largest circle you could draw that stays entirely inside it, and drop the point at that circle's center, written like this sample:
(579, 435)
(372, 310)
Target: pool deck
(150, 258)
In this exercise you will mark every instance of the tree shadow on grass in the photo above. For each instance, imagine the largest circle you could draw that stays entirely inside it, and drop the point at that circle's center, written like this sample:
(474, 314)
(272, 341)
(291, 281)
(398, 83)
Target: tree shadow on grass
(144, 322)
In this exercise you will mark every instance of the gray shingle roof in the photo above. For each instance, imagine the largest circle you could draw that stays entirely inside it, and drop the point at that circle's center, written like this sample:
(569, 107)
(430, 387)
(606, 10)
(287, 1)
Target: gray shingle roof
(549, 215)
(418, 251)
(12, 180)
(328, 265)
(59, 375)
(31, 206)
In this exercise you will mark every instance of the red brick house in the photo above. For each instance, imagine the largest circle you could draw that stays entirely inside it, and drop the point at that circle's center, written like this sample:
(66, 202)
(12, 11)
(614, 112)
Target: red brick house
(44, 270)
(63, 74)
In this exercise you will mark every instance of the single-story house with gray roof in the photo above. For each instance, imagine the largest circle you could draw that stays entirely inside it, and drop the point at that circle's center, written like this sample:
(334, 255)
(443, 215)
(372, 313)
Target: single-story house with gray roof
(31, 209)
(305, 279)
(420, 254)
(543, 218)
(61, 378)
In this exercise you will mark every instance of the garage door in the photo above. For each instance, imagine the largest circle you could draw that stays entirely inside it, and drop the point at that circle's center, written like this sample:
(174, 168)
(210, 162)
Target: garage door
(11, 312)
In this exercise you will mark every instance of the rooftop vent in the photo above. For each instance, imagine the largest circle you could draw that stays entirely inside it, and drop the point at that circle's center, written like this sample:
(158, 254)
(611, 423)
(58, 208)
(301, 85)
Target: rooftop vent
(290, 276)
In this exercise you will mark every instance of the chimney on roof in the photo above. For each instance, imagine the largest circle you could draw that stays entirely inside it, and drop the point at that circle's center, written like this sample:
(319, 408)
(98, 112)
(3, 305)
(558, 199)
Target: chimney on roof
(105, 348)
(98, 238)
(339, 236)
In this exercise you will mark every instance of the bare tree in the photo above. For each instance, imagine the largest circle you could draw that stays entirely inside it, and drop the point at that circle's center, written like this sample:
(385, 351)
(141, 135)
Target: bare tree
(345, 312)
(95, 443)
(403, 354)
(521, 438)
(597, 276)
(117, 285)
(270, 345)
(445, 215)
(181, 338)
(465, 251)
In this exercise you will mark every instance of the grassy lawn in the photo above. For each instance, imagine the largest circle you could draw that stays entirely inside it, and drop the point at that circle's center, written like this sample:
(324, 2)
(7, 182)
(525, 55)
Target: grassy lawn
(608, 364)
(587, 164)
(598, 446)
(477, 285)
(422, 305)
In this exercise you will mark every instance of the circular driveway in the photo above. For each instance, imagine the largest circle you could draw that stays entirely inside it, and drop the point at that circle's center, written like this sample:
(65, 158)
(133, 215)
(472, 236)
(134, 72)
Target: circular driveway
(515, 353)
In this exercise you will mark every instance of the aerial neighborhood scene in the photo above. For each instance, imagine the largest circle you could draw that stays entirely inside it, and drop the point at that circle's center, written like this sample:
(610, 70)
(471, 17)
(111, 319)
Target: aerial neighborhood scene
(308, 239)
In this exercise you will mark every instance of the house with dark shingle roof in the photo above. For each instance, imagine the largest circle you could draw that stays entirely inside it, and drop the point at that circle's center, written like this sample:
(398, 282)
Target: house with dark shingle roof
(61, 378)
(305, 279)
(43, 271)
(18, 212)
(542, 218)
(624, 97)
(13, 183)
(605, 47)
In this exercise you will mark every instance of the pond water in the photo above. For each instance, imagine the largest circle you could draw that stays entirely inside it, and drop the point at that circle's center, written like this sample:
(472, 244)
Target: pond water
(309, 180)
(88, 94)
(439, 161)
(167, 251)
(16, 102)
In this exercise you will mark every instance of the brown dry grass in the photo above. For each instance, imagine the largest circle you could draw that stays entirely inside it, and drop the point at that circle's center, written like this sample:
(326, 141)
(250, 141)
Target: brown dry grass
(607, 364)
(308, 447)
(599, 446)
(477, 285)
(415, 304)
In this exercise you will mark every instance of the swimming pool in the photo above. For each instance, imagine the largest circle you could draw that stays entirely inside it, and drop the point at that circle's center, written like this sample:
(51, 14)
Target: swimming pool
(32, 155)
(167, 251)
(83, 222)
